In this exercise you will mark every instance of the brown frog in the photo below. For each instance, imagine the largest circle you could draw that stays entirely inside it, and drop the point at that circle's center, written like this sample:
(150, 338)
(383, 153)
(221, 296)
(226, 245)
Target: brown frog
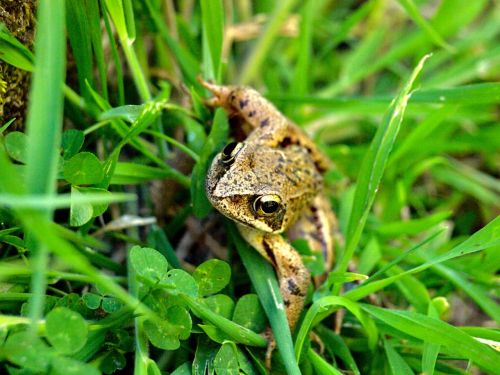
(271, 183)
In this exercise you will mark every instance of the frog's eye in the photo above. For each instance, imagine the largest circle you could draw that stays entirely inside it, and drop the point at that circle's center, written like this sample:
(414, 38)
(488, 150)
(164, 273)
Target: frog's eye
(266, 205)
(230, 151)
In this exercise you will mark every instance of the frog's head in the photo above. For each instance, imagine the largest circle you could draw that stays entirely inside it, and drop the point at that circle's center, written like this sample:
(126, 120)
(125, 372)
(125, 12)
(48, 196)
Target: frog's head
(260, 187)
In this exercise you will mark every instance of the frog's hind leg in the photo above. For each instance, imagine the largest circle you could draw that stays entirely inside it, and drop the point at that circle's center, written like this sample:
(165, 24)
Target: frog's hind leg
(293, 276)
(317, 225)
(248, 104)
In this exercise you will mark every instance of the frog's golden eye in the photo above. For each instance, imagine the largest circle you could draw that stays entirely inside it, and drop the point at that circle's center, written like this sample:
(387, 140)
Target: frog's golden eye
(230, 151)
(266, 205)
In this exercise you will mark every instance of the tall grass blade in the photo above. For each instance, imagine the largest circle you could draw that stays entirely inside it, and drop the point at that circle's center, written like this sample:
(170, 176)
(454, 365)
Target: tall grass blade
(44, 126)
(372, 169)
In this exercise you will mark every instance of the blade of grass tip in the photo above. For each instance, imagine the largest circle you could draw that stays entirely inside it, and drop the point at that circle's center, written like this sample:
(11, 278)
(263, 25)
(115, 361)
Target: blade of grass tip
(264, 281)
(13, 52)
(43, 128)
(412, 10)
(372, 169)
(260, 51)
(212, 14)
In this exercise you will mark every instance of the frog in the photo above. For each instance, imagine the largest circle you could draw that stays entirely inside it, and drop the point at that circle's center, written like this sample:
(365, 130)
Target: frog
(270, 184)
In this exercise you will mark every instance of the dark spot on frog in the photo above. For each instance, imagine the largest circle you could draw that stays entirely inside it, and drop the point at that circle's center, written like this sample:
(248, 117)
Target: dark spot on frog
(286, 302)
(294, 288)
(243, 103)
(286, 142)
(269, 252)
(264, 122)
(251, 113)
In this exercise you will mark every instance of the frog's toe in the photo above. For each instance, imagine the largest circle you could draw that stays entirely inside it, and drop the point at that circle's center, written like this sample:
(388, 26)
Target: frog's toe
(271, 345)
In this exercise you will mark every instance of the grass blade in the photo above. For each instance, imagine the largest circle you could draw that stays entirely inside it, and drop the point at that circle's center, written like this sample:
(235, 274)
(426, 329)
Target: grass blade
(265, 42)
(44, 126)
(412, 10)
(372, 170)
(264, 281)
(396, 362)
(212, 14)
(438, 332)
(326, 306)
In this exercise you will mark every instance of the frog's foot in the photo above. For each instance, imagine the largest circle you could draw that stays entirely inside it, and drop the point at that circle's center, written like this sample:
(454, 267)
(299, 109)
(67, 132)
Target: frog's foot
(221, 93)
(271, 345)
(316, 339)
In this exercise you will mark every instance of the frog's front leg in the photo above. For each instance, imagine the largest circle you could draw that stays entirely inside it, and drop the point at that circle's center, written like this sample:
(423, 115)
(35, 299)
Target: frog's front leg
(293, 276)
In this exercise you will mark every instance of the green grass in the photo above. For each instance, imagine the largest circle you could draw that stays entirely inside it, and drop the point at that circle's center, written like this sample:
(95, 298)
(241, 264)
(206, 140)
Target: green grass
(91, 280)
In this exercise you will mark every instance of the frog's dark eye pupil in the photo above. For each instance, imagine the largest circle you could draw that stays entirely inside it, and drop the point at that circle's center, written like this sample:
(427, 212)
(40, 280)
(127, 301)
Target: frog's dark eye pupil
(269, 207)
(266, 205)
(230, 151)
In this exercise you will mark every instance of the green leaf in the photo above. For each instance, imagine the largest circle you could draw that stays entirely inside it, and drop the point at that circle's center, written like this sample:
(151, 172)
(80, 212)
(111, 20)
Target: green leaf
(175, 326)
(221, 304)
(14, 52)
(83, 169)
(80, 213)
(396, 362)
(249, 313)
(70, 366)
(72, 142)
(184, 369)
(148, 263)
(111, 305)
(438, 332)
(111, 361)
(92, 300)
(236, 332)
(129, 113)
(180, 282)
(212, 276)
(66, 330)
(15, 145)
(226, 360)
(27, 351)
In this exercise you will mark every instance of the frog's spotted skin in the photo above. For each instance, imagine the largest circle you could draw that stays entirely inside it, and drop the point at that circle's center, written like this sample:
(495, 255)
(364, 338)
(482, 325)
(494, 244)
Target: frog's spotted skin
(271, 128)
(276, 162)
